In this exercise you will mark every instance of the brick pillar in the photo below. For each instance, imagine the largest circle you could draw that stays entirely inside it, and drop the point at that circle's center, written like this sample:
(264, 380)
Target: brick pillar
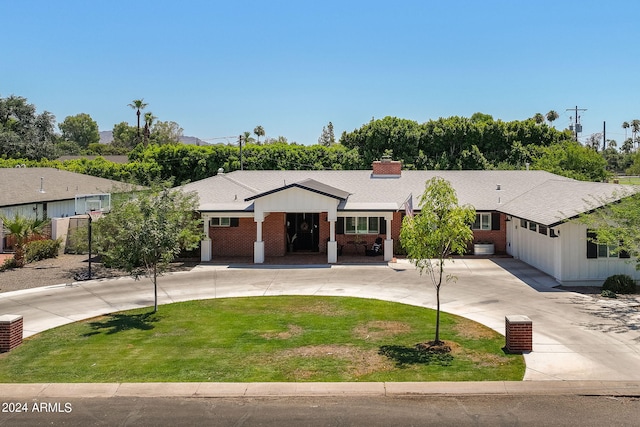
(10, 332)
(519, 334)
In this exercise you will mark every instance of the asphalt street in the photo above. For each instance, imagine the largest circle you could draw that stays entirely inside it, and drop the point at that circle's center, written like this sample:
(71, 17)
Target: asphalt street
(476, 410)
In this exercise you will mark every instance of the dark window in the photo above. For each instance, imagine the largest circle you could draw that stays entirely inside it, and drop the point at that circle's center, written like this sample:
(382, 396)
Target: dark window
(592, 247)
(495, 221)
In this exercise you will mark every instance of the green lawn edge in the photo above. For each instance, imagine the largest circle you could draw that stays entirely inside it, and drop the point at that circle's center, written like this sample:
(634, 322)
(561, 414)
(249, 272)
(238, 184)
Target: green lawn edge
(263, 339)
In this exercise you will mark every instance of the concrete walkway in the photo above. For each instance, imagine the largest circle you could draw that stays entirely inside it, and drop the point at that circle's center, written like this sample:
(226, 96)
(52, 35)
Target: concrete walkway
(576, 337)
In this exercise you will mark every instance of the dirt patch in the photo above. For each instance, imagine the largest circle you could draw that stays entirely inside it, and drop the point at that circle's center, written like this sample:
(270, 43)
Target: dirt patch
(63, 270)
(323, 308)
(292, 331)
(473, 330)
(362, 362)
(380, 329)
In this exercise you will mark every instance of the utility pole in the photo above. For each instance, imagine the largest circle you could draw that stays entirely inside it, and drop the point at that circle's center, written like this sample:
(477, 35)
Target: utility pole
(240, 143)
(604, 136)
(578, 126)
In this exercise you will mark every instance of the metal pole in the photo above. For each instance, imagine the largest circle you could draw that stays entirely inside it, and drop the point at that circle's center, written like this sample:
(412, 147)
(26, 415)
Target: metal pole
(89, 278)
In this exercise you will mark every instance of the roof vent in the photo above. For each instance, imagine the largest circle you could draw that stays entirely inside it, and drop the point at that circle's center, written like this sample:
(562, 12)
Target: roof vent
(498, 187)
(220, 171)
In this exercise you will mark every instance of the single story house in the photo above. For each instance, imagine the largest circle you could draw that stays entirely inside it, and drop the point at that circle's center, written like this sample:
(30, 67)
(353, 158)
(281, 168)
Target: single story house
(50, 193)
(521, 213)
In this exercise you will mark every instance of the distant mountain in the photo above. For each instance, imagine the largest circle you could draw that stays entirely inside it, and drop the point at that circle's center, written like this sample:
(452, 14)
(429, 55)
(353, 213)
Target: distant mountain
(106, 136)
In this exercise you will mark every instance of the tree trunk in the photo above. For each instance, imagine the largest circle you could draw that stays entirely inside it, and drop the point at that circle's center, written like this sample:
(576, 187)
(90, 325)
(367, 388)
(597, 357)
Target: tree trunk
(155, 288)
(19, 255)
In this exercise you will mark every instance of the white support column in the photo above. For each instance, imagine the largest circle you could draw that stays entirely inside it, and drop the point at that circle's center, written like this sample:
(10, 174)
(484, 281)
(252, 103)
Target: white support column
(205, 244)
(388, 243)
(332, 245)
(258, 245)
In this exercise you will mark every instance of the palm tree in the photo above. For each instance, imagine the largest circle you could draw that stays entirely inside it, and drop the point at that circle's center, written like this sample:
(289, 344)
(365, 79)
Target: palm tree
(138, 104)
(259, 131)
(625, 126)
(22, 229)
(148, 122)
(247, 138)
(552, 116)
(538, 118)
(635, 128)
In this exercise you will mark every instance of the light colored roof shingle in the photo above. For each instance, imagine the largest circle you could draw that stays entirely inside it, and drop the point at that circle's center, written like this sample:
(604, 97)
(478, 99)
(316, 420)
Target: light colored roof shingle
(535, 195)
(20, 186)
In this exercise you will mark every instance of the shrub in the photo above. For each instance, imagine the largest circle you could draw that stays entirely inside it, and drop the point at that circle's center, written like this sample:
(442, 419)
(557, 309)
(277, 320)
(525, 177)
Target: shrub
(8, 264)
(620, 284)
(608, 294)
(42, 249)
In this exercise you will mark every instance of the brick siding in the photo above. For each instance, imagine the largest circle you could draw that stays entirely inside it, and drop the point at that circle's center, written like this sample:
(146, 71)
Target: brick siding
(518, 334)
(497, 237)
(10, 333)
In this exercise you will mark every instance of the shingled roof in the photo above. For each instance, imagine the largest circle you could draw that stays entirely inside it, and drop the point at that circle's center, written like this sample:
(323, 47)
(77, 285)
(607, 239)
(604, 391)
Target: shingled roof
(20, 186)
(538, 196)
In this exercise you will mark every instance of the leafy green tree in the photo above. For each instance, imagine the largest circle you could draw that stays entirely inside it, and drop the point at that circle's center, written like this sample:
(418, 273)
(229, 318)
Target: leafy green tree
(481, 117)
(390, 133)
(144, 234)
(67, 148)
(23, 133)
(22, 229)
(327, 138)
(441, 229)
(616, 224)
(81, 129)
(572, 160)
(166, 133)
(258, 131)
(124, 136)
(138, 105)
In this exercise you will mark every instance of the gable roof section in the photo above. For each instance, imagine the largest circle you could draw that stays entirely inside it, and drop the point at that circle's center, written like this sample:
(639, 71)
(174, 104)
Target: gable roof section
(236, 191)
(19, 186)
(556, 201)
(310, 185)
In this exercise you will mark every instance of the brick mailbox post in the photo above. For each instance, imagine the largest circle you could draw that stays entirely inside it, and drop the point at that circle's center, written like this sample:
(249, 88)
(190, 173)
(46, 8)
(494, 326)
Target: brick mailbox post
(519, 334)
(10, 332)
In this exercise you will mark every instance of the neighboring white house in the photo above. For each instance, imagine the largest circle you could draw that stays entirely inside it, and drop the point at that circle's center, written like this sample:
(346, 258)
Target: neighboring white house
(522, 213)
(48, 192)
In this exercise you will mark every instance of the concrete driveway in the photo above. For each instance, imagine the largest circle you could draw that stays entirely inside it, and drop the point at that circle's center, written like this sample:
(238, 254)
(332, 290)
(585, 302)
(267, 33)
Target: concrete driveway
(576, 337)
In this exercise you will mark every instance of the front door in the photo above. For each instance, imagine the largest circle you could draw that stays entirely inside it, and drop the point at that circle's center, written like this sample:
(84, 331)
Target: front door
(303, 232)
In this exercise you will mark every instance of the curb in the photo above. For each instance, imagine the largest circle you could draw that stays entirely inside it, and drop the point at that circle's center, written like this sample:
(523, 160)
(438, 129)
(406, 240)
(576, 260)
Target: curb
(380, 389)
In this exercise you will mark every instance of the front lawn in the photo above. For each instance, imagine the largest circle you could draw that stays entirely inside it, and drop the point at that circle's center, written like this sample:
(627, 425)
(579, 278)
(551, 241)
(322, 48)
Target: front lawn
(285, 338)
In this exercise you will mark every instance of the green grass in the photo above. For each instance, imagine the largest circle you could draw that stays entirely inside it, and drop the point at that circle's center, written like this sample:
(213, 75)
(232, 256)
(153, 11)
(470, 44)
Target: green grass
(630, 180)
(282, 338)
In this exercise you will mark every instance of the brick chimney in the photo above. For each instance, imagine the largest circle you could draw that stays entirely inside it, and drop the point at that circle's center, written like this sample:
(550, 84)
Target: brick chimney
(387, 167)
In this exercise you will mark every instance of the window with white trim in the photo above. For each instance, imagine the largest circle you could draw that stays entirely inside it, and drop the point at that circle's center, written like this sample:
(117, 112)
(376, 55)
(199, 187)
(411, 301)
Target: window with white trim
(608, 251)
(221, 222)
(482, 222)
(361, 225)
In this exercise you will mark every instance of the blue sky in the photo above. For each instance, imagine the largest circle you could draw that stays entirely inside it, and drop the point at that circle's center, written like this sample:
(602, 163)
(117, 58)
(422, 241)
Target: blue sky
(219, 68)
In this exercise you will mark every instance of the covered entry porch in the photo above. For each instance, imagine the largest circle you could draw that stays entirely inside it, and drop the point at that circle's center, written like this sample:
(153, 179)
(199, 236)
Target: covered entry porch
(294, 219)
